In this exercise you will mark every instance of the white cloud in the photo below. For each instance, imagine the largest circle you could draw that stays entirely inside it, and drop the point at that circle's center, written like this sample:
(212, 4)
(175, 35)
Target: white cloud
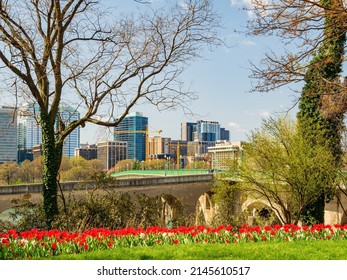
(258, 113)
(241, 2)
(263, 113)
(250, 5)
(249, 42)
(235, 126)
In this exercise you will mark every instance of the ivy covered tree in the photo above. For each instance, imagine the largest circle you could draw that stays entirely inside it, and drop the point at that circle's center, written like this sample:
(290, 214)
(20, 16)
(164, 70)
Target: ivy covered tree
(313, 34)
(102, 62)
(318, 126)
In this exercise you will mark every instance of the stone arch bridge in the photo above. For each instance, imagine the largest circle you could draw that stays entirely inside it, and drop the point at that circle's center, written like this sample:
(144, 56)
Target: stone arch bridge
(190, 192)
(176, 192)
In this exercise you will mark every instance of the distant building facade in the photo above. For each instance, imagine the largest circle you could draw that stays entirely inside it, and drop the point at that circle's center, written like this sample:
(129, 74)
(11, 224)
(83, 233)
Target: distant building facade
(8, 134)
(201, 135)
(87, 151)
(29, 131)
(207, 131)
(223, 153)
(198, 149)
(133, 130)
(37, 151)
(110, 152)
(158, 145)
(181, 145)
(187, 131)
(224, 134)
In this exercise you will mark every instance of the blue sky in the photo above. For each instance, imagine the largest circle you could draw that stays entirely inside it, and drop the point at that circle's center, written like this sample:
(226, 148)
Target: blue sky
(222, 83)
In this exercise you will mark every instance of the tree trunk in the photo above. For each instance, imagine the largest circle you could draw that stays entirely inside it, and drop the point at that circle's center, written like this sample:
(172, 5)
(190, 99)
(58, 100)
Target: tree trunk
(52, 153)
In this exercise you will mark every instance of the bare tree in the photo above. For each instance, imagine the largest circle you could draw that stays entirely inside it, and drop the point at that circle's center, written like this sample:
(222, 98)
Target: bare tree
(300, 25)
(55, 51)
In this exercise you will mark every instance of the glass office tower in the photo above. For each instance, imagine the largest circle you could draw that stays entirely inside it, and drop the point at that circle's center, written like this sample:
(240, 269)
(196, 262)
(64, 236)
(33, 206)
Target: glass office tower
(69, 114)
(132, 129)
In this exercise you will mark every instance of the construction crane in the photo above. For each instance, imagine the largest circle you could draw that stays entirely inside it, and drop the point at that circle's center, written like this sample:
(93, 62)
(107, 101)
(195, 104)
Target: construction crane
(178, 152)
(146, 132)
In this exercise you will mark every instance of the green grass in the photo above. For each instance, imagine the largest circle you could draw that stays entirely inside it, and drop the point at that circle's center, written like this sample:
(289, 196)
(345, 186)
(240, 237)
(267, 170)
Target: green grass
(299, 250)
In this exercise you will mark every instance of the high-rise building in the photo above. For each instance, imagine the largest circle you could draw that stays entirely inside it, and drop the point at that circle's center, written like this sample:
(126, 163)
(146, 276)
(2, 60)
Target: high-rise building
(110, 152)
(203, 131)
(187, 131)
(133, 130)
(69, 114)
(207, 131)
(201, 135)
(8, 134)
(224, 134)
(30, 131)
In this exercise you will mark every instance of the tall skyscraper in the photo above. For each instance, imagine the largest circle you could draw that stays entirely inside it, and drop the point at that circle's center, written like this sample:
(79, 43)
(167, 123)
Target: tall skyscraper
(132, 129)
(207, 131)
(8, 134)
(69, 114)
(203, 131)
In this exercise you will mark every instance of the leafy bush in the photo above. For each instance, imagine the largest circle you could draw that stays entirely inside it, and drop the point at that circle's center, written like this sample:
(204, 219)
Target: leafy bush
(97, 208)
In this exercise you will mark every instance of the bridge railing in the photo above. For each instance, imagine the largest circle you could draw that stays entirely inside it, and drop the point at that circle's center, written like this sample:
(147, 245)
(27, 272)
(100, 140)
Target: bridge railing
(154, 172)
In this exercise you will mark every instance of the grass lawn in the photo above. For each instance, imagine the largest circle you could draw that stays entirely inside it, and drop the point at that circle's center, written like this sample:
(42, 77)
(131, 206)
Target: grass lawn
(298, 250)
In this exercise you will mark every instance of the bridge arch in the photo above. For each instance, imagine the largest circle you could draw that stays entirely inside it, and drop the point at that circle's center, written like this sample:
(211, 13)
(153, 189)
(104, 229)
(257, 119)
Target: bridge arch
(205, 210)
(171, 210)
(260, 207)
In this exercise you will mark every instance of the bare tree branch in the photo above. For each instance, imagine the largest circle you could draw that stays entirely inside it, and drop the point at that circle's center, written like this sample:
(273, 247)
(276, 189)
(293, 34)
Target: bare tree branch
(299, 25)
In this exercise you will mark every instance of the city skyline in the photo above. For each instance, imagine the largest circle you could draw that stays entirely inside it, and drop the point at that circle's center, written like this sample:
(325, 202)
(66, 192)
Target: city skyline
(221, 81)
(131, 138)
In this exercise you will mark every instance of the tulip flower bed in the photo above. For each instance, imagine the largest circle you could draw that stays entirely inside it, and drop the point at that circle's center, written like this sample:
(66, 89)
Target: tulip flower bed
(36, 243)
